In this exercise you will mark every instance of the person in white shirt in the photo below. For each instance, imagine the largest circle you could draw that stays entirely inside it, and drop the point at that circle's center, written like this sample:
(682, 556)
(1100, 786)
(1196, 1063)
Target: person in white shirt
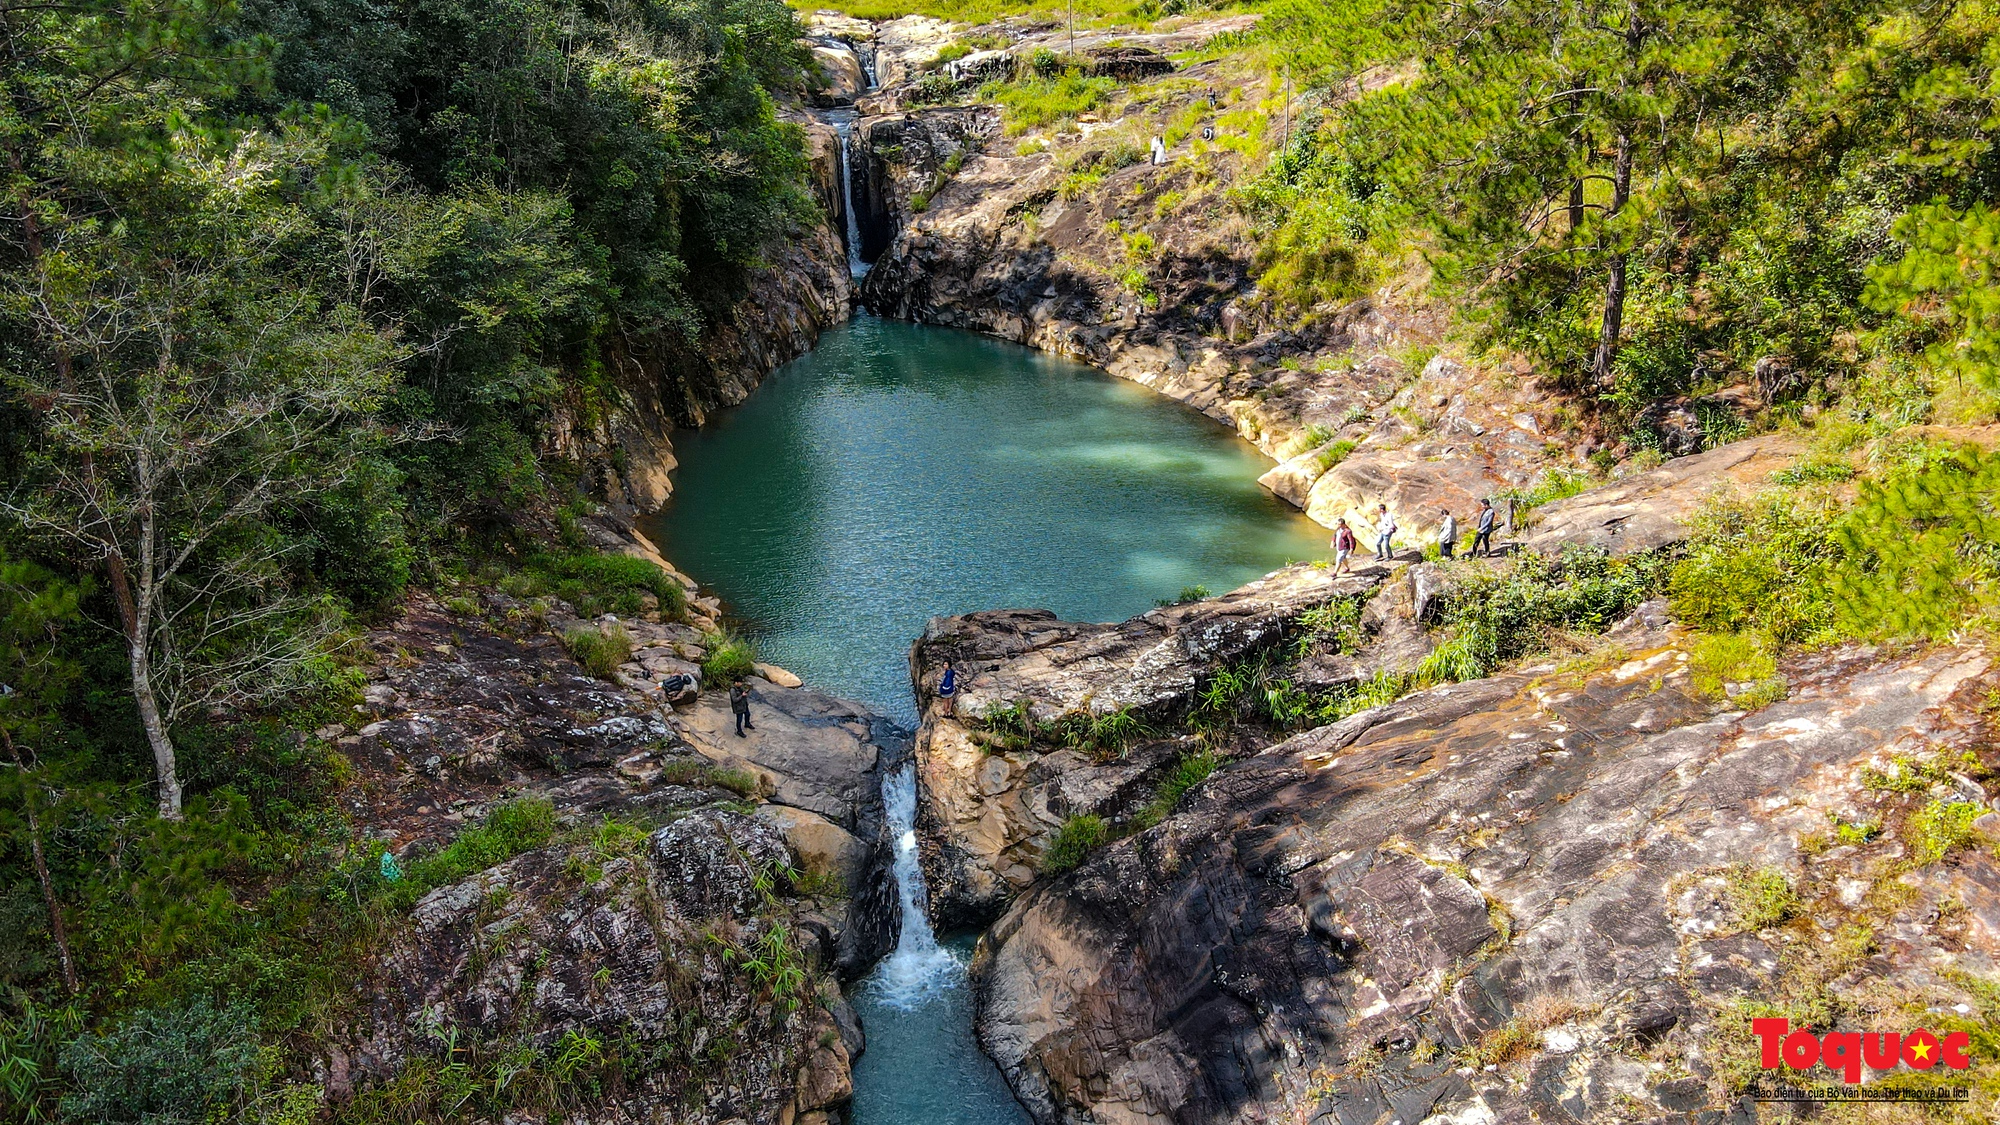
(1447, 534)
(1385, 530)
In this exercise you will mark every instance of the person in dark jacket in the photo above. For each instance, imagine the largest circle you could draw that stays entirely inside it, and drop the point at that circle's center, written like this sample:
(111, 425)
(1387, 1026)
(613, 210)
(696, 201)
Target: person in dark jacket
(739, 702)
(1482, 532)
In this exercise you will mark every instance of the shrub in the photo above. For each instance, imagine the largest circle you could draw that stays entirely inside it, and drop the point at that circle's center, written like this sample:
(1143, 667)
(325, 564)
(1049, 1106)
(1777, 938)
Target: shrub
(161, 1066)
(1074, 841)
(1333, 454)
(599, 651)
(729, 656)
(1188, 594)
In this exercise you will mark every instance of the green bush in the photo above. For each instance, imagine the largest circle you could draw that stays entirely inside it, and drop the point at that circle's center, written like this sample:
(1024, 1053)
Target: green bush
(161, 1066)
(728, 657)
(599, 650)
(1073, 843)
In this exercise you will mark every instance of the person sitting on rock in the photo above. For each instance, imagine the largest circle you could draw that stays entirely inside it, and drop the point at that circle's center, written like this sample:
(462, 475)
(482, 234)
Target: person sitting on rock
(1385, 531)
(679, 688)
(1343, 547)
(1482, 533)
(739, 702)
(947, 687)
(1447, 535)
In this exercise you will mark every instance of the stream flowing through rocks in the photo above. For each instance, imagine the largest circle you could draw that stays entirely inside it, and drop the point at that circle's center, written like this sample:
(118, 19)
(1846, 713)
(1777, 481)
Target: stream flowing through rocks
(900, 472)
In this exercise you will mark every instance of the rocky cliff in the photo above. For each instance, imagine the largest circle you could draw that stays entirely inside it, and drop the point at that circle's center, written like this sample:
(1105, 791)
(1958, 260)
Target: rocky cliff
(670, 947)
(1558, 893)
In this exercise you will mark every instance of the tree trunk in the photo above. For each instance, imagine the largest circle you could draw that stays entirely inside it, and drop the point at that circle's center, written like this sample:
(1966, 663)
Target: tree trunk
(1575, 205)
(156, 732)
(57, 930)
(1614, 281)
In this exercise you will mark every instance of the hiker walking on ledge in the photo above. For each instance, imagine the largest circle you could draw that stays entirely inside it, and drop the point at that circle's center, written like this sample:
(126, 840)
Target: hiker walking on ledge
(1482, 537)
(1343, 548)
(1385, 531)
(1447, 535)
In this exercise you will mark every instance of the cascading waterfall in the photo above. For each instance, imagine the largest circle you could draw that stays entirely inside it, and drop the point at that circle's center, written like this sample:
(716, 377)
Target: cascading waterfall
(855, 266)
(867, 58)
(919, 967)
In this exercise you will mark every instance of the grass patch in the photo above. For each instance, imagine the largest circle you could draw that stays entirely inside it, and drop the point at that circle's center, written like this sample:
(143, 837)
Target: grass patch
(1722, 659)
(1039, 101)
(1937, 830)
(508, 830)
(599, 651)
(1760, 897)
(1189, 771)
(728, 657)
(1073, 843)
(1188, 594)
(597, 584)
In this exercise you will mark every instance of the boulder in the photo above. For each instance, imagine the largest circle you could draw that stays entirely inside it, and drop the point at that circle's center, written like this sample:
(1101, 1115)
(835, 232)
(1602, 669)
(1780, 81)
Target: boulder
(778, 676)
(1650, 510)
(822, 847)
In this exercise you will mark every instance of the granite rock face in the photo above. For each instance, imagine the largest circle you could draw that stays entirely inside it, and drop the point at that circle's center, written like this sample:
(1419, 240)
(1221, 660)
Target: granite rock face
(641, 953)
(638, 939)
(989, 812)
(1531, 897)
(1650, 510)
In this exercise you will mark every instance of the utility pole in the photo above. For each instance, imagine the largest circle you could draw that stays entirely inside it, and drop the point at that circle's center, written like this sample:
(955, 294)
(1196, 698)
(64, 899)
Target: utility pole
(1072, 29)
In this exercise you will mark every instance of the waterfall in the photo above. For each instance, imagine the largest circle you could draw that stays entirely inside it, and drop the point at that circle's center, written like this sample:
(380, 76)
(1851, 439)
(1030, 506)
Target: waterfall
(867, 58)
(919, 968)
(855, 266)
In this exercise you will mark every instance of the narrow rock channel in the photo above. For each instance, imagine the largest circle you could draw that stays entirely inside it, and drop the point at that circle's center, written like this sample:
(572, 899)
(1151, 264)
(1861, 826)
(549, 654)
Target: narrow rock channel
(899, 473)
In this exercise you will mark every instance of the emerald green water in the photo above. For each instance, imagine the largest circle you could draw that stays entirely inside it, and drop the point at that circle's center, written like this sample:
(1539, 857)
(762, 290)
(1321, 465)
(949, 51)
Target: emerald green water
(899, 472)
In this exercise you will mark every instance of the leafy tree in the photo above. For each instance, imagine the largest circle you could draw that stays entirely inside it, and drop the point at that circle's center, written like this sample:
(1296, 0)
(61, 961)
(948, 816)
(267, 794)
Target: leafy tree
(185, 390)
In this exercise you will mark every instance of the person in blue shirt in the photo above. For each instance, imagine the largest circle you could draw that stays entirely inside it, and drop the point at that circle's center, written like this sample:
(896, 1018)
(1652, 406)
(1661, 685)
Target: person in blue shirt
(1482, 532)
(947, 687)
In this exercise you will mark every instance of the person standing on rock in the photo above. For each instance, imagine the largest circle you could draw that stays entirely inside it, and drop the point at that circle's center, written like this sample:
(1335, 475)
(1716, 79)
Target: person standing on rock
(1447, 535)
(1385, 531)
(1482, 533)
(739, 702)
(1343, 548)
(947, 687)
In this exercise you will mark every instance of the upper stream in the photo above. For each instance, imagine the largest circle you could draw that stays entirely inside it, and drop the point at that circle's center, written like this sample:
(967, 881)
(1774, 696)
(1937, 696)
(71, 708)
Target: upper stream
(898, 472)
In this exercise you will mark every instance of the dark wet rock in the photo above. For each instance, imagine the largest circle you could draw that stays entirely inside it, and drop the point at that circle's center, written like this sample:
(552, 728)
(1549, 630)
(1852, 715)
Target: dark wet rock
(1526, 855)
(1127, 64)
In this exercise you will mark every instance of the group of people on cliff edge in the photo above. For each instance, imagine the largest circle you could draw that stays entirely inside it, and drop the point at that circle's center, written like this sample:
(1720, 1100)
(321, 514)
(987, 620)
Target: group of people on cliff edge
(1345, 542)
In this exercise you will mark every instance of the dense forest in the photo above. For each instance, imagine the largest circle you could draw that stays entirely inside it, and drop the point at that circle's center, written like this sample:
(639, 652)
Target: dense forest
(292, 292)
(289, 295)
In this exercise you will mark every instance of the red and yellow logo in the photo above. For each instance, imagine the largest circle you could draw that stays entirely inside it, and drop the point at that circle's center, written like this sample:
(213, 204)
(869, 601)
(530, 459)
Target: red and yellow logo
(1847, 1051)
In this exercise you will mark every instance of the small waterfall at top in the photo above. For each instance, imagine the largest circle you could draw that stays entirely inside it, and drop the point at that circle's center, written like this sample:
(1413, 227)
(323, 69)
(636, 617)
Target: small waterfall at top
(844, 128)
(919, 967)
(867, 58)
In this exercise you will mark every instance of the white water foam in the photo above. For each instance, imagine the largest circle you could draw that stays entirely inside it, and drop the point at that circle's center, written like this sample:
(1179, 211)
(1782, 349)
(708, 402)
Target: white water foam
(919, 969)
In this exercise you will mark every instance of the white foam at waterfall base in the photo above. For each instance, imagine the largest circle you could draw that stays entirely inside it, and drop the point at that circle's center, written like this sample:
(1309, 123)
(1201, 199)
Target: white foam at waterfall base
(919, 970)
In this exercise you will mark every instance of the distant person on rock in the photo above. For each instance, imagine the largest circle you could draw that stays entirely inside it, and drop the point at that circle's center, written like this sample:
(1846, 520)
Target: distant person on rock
(1448, 535)
(1385, 531)
(739, 702)
(1343, 548)
(1482, 533)
(947, 687)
